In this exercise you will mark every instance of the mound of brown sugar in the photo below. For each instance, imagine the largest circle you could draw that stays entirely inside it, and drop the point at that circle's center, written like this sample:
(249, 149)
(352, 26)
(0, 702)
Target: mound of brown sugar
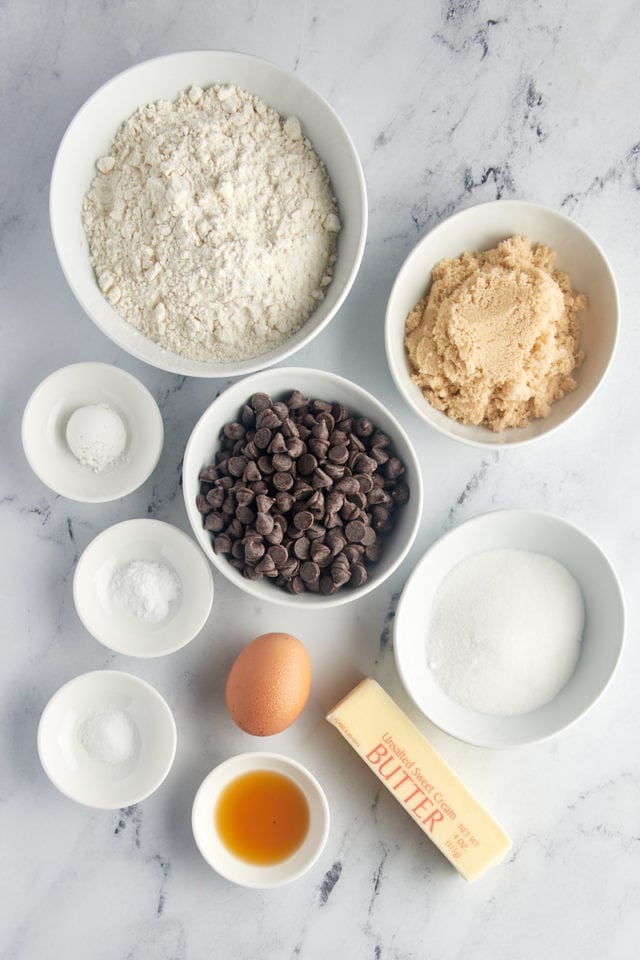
(495, 341)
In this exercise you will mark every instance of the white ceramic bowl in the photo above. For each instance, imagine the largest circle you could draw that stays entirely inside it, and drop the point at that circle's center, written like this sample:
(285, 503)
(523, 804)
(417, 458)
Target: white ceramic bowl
(315, 384)
(91, 131)
(116, 626)
(228, 864)
(602, 638)
(47, 414)
(77, 771)
(482, 227)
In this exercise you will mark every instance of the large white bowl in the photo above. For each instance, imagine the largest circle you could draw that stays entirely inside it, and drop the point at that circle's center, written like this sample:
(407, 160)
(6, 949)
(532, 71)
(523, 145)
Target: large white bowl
(602, 638)
(90, 133)
(222, 859)
(482, 227)
(316, 384)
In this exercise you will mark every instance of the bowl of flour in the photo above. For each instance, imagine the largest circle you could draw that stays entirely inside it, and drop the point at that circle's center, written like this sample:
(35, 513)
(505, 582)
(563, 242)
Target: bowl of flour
(209, 212)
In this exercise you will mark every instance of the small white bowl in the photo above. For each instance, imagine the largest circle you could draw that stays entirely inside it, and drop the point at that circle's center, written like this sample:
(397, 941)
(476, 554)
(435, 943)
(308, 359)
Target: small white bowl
(602, 638)
(79, 774)
(121, 629)
(90, 133)
(315, 384)
(482, 227)
(220, 857)
(45, 420)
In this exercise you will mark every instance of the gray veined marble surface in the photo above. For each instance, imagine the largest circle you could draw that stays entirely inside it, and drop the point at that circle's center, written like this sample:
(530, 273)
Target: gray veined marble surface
(449, 104)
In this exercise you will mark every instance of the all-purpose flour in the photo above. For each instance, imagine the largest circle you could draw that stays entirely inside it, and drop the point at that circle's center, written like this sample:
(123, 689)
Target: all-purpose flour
(212, 225)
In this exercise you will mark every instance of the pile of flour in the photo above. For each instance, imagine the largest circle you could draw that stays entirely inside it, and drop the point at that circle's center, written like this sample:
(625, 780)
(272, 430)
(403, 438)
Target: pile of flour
(212, 225)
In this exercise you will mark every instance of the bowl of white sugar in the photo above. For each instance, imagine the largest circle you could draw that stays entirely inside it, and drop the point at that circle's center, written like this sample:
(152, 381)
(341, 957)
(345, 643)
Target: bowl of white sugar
(222, 250)
(509, 628)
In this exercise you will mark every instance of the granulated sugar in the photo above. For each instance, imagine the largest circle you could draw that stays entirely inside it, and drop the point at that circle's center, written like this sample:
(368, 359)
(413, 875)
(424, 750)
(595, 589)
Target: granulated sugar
(505, 631)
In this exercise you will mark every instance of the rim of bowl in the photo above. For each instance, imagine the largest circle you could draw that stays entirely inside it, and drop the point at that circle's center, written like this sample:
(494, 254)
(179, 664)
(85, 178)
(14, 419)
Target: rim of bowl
(483, 518)
(277, 595)
(256, 876)
(391, 334)
(251, 364)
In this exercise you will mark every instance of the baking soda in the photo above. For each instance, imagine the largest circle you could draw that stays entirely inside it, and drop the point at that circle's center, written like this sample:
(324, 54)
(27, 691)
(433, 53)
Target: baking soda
(110, 737)
(145, 588)
(505, 631)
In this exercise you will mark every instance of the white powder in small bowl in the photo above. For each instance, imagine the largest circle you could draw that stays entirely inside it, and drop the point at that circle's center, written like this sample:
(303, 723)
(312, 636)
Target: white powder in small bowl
(96, 436)
(110, 737)
(505, 631)
(145, 588)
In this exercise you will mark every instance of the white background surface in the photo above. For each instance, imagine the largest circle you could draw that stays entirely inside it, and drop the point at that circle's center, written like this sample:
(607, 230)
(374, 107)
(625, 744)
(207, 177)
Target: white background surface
(449, 104)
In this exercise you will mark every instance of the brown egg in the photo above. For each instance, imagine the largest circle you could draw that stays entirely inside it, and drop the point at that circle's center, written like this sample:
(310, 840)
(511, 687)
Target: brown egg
(268, 684)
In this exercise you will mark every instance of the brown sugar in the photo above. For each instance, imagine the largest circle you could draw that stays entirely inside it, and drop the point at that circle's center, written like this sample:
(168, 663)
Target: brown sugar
(495, 340)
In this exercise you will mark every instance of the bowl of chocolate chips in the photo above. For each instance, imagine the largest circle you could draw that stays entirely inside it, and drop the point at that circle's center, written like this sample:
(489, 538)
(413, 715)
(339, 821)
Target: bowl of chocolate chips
(301, 488)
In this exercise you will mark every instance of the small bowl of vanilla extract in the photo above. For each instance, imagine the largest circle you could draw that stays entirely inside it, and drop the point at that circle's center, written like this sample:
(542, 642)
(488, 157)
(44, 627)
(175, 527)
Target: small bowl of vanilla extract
(260, 819)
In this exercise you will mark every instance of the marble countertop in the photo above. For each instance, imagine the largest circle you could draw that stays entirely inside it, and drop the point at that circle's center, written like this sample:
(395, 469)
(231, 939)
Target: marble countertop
(449, 104)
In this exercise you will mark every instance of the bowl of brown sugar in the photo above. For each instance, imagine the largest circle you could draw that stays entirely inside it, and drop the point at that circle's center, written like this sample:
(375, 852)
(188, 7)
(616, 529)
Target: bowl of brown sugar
(502, 322)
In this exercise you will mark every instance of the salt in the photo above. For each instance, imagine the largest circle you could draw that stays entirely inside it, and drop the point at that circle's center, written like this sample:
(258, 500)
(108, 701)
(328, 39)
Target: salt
(110, 737)
(146, 588)
(505, 631)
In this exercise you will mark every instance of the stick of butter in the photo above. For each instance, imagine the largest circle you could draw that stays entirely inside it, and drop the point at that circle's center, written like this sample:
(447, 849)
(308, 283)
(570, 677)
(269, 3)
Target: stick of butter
(419, 779)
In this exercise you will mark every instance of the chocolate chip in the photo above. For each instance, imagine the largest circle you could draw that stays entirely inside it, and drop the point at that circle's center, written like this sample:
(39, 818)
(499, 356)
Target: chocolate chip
(282, 481)
(320, 554)
(244, 495)
(394, 468)
(338, 453)
(302, 548)
(222, 543)
(296, 447)
(282, 462)
(278, 554)
(253, 549)
(318, 447)
(307, 463)
(260, 401)
(234, 431)
(245, 514)
(355, 531)
(269, 419)
(296, 400)
(262, 438)
(208, 474)
(303, 520)
(309, 571)
(214, 522)
(363, 427)
(202, 504)
(277, 445)
(284, 501)
(264, 523)
(264, 503)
